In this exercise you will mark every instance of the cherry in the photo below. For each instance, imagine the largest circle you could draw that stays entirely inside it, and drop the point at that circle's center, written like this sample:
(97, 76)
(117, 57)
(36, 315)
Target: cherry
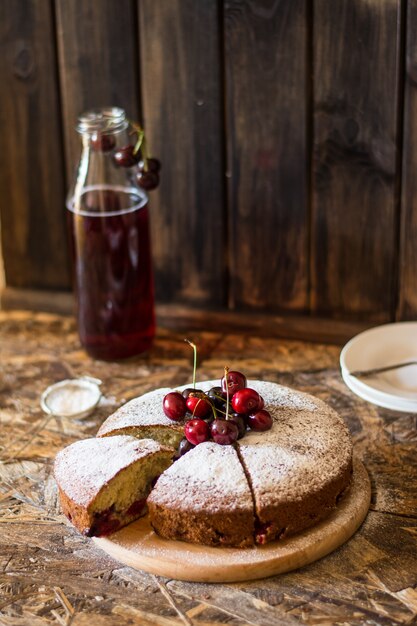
(217, 397)
(184, 447)
(197, 431)
(262, 532)
(137, 507)
(198, 405)
(189, 390)
(102, 143)
(245, 401)
(174, 406)
(100, 528)
(148, 180)
(125, 156)
(224, 432)
(239, 420)
(260, 420)
(152, 165)
(235, 382)
(104, 523)
(261, 402)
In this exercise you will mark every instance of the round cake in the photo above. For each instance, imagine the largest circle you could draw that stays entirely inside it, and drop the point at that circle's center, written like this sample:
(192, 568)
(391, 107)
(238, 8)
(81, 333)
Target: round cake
(267, 486)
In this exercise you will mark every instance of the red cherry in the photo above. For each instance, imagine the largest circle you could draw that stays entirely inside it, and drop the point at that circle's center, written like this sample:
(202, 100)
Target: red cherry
(197, 431)
(245, 401)
(260, 420)
(224, 432)
(189, 390)
(125, 157)
(174, 406)
(102, 143)
(235, 381)
(148, 180)
(153, 165)
(261, 402)
(137, 507)
(183, 447)
(198, 405)
(239, 420)
(217, 397)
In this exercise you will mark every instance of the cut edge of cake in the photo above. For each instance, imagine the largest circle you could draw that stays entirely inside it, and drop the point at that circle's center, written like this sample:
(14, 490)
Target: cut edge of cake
(104, 486)
(212, 503)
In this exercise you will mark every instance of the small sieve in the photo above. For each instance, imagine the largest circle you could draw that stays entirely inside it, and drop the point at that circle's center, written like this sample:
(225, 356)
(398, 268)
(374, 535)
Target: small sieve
(74, 398)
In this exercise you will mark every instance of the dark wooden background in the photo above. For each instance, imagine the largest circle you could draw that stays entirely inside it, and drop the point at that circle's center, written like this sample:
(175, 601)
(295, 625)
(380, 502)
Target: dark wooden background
(286, 129)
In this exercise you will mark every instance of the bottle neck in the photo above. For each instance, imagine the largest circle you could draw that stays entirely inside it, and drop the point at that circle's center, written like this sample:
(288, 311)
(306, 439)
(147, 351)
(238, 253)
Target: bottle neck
(106, 121)
(98, 176)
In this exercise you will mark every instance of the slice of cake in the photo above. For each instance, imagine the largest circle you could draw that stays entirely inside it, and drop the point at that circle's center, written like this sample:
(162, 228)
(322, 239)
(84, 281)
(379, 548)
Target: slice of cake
(103, 483)
(144, 417)
(204, 498)
(299, 469)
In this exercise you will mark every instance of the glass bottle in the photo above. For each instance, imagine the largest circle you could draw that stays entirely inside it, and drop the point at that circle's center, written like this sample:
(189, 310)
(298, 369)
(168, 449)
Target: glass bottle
(110, 241)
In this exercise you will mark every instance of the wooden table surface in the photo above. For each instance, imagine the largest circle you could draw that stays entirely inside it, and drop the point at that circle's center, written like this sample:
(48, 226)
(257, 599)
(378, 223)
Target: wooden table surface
(52, 575)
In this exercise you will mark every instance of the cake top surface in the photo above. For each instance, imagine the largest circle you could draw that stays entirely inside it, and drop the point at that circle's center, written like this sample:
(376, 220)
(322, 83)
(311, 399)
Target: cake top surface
(208, 478)
(143, 411)
(307, 446)
(84, 467)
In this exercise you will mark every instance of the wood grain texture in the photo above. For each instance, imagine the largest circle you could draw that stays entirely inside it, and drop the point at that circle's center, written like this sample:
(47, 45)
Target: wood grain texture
(266, 99)
(31, 172)
(98, 62)
(182, 99)
(407, 301)
(190, 319)
(356, 75)
(50, 574)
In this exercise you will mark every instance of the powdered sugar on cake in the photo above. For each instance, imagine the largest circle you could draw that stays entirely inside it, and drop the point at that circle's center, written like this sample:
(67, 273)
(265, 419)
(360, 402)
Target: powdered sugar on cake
(84, 467)
(308, 444)
(145, 410)
(209, 477)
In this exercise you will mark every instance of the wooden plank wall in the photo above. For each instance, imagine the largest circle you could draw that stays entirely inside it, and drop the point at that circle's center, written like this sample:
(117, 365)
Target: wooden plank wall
(32, 184)
(180, 62)
(286, 132)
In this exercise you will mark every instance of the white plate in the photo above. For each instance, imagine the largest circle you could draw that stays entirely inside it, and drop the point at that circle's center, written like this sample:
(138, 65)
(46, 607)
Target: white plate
(377, 347)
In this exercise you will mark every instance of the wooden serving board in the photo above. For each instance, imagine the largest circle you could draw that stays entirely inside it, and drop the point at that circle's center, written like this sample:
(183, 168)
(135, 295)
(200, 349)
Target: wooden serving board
(138, 546)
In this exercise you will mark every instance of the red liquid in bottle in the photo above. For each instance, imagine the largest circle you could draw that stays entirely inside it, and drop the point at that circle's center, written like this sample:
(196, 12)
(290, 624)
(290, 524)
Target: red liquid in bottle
(110, 240)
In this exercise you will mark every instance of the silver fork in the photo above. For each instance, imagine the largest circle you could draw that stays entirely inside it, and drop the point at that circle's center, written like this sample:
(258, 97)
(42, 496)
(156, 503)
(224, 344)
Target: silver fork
(380, 370)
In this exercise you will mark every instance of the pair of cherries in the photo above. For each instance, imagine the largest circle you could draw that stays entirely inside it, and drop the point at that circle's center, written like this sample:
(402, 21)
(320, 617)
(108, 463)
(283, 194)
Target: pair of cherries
(209, 412)
(130, 155)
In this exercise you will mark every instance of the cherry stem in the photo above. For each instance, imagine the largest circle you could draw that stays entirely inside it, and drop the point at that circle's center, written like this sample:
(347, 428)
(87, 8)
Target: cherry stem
(226, 372)
(141, 143)
(195, 408)
(194, 347)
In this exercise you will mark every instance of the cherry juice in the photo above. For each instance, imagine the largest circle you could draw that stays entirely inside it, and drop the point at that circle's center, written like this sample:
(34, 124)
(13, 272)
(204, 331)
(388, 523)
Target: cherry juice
(110, 242)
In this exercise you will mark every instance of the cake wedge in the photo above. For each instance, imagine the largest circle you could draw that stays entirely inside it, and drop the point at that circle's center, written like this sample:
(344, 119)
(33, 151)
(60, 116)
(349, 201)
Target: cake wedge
(204, 498)
(103, 483)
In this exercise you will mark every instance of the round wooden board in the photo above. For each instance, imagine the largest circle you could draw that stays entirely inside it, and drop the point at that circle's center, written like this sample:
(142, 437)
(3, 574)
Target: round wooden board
(138, 546)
